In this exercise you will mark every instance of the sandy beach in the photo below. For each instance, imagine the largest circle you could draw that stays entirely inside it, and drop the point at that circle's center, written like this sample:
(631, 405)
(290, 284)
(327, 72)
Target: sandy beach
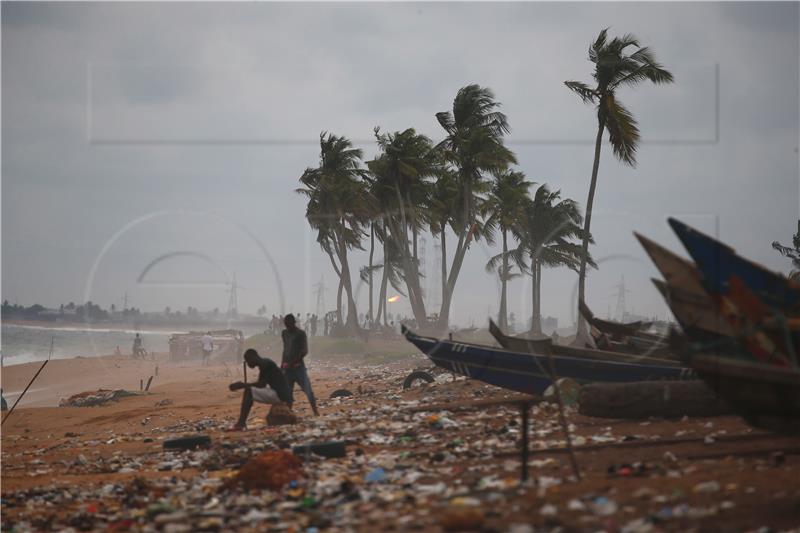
(425, 459)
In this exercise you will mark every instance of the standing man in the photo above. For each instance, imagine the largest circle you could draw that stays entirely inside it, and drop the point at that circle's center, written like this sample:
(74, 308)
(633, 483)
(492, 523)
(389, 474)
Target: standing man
(270, 388)
(208, 347)
(295, 348)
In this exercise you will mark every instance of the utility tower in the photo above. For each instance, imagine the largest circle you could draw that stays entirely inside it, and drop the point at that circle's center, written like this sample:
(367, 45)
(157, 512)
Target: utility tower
(621, 290)
(233, 302)
(319, 290)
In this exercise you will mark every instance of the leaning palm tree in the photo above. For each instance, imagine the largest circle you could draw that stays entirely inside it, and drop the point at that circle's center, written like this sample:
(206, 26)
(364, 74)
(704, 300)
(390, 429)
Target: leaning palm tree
(504, 207)
(338, 209)
(473, 146)
(398, 180)
(613, 68)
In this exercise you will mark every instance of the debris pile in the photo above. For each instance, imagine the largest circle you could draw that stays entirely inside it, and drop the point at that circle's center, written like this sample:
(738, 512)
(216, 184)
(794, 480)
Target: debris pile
(92, 398)
(271, 470)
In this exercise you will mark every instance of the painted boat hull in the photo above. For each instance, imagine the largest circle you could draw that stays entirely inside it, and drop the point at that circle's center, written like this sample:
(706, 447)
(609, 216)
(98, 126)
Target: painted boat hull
(529, 373)
(718, 264)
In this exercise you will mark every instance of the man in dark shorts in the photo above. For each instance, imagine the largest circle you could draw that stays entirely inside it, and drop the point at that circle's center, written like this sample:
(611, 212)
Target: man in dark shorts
(271, 387)
(295, 348)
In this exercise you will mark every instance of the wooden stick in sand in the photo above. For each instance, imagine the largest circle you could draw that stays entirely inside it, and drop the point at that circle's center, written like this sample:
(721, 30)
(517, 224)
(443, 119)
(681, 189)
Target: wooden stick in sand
(562, 418)
(36, 375)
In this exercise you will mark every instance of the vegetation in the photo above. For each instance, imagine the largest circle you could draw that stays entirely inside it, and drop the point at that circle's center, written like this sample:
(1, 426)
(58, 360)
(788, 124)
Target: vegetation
(792, 253)
(464, 186)
(613, 68)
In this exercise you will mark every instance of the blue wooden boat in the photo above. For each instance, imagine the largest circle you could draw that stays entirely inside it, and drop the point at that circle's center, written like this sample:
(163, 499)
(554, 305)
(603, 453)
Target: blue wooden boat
(529, 373)
(718, 264)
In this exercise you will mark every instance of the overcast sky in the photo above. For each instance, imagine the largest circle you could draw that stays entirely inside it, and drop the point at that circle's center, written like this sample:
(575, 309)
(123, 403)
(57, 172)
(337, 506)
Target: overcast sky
(131, 131)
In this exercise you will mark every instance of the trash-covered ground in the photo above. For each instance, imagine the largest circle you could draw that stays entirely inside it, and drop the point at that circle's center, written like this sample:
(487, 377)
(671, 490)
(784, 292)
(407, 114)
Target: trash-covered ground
(425, 459)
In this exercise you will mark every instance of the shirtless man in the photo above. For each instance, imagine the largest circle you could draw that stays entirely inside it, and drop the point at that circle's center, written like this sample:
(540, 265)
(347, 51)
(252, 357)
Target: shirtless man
(270, 388)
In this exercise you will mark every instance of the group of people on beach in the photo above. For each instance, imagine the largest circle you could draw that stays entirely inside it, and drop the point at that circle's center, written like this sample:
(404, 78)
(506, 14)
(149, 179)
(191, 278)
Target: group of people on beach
(309, 325)
(276, 385)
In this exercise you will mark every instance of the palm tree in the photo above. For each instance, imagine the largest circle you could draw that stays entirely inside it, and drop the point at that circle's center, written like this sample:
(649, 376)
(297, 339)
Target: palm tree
(399, 181)
(473, 145)
(546, 234)
(338, 209)
(613, 68)
(504, 208)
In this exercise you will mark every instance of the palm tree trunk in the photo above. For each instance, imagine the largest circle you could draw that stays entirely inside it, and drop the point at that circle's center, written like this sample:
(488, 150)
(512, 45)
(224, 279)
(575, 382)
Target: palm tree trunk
(502, 317)
(444, 259)
(582, 334)
(384, 279)
(410, 266)
(371, 252)
(536, 327)
(458, 259)
(339, 302)
(535, 320)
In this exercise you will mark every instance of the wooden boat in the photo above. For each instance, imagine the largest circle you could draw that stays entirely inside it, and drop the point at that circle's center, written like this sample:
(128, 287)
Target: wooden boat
(545, 347)
(695, 311)
(765, 396)
(530, 373)
(718, 263)
(616, 330)
(630, 338)
(724, 317)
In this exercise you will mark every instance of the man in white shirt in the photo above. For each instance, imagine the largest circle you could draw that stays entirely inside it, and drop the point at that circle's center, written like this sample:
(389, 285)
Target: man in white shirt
(208, 347)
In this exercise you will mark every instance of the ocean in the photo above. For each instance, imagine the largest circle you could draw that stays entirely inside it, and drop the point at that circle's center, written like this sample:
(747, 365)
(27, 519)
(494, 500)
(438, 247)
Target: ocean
(28, 343)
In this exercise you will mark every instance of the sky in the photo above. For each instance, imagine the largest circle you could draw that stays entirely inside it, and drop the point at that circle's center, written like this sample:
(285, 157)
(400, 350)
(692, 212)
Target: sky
(173, 136)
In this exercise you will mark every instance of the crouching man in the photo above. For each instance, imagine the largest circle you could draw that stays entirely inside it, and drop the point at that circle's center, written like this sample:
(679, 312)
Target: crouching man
(271, 387)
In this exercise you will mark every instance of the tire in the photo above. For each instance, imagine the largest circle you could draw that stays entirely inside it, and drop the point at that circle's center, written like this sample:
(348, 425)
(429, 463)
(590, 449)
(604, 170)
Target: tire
(340, 393)
(188, 443)
(331, 450)
(417, 375)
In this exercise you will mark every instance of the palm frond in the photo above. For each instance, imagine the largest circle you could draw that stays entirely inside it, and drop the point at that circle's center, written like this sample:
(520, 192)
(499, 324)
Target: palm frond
(586, 94)
(622, 128)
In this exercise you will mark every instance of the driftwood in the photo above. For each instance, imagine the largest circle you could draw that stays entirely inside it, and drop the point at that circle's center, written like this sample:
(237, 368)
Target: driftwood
(665, 399)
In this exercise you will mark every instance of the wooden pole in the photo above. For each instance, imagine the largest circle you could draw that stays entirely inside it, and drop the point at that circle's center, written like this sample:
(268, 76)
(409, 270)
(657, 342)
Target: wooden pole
(52, 339)
(147, 387)
(562, 418)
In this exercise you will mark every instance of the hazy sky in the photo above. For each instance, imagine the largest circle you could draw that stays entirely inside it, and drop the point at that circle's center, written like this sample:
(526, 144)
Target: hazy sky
(132, 131)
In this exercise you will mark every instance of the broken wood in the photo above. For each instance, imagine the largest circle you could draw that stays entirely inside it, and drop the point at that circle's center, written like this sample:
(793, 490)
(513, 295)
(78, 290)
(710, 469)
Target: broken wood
(664, 399)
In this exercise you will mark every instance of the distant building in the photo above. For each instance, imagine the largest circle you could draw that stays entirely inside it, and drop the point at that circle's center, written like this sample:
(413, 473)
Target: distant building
(549, 325)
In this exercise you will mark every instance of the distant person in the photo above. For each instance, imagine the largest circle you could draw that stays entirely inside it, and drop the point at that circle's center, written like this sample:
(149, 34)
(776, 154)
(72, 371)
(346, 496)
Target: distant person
(295, 348)
(270, 388)
(117, 351)
(208, 346)
(314, 320)
(138, 349)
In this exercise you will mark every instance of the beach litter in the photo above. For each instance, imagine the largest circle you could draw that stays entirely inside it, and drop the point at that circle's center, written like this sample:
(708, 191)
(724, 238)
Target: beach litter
(94, 398)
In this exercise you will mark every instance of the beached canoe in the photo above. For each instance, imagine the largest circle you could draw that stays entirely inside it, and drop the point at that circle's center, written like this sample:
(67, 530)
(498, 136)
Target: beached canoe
(718, 264)
(735, 321)
(764, 395)
(530, 373)
(693, 308)
(538, 347)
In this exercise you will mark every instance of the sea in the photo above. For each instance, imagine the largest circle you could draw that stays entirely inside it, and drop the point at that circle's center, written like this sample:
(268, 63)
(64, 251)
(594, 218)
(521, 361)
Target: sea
(29, 343)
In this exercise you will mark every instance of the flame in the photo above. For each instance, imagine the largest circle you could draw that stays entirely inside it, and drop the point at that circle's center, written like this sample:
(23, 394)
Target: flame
(393, 299)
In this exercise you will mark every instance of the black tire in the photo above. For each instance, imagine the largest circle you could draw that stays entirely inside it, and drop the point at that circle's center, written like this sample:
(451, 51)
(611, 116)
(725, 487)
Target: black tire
(340, 393)
(417, 375)
(187, 443)
(331, 450)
